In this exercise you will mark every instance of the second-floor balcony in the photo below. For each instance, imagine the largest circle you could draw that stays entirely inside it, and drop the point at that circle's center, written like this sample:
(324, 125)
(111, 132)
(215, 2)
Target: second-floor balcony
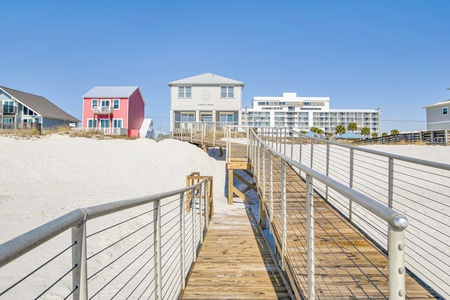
(103, 110)
(8, 109)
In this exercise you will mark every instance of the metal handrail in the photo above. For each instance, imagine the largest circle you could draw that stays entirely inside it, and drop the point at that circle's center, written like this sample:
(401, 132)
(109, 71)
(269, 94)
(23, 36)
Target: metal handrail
(77, 219)
(415, 187)
(397, 221)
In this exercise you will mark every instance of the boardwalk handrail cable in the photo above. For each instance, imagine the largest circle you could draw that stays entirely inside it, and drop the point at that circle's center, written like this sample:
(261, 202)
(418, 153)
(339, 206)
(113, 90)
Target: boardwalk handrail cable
(192, 225)
(397, 221)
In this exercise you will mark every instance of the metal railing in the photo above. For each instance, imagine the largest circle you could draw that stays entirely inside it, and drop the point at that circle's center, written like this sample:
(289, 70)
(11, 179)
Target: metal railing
(103, 110)
(201, 131)
(307, 279)
(417, 188)
(147, 250)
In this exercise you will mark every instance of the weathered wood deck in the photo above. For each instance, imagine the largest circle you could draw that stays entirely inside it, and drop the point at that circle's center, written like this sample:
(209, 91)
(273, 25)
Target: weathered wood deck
(234, 262)
(348, 264)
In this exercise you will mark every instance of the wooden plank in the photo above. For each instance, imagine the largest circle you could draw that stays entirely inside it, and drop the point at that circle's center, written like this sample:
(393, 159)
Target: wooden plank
(235, 263)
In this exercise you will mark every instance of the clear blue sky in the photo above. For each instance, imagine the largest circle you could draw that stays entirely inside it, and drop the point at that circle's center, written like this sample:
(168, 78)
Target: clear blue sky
(392, 54)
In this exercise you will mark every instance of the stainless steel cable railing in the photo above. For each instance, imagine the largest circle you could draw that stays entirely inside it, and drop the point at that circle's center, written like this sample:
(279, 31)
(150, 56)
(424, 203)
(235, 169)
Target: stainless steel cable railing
(417, 188)
(142, 247)
(307, 264)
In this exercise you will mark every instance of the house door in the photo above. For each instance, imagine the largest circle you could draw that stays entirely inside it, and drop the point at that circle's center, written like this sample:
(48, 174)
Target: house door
(206, 117)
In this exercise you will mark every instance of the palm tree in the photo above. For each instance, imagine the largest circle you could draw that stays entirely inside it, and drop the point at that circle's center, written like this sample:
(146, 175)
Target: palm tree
(384, 134)
(374, 135)
(365, 131)
(340, 129)
(395, 131)
(314, 129)
(352, 127)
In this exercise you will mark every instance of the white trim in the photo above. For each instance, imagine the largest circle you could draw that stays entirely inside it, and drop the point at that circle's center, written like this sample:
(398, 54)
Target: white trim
(118, 107)
(92, 103)
(116, 119)
(440, 122)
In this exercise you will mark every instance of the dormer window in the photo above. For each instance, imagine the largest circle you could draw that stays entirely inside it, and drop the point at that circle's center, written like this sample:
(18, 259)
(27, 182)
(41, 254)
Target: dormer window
(184, 92)
(227, 91)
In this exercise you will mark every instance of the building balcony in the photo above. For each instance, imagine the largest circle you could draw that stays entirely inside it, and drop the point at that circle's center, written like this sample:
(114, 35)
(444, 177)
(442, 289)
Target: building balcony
(8, 110)
(103, 110)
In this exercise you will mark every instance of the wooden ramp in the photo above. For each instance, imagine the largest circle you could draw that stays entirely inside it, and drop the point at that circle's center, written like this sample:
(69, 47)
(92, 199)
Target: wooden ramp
(235, 262)
(348, 265)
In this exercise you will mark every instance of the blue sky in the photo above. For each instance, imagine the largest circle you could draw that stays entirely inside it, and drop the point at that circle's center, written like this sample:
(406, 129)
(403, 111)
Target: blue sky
(362, 54)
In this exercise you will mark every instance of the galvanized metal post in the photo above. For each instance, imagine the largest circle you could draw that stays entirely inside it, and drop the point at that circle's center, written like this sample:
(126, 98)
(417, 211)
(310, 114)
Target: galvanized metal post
(292, 144)
(300, 145)
(79, 274)
(285, 133)
(327, 169)
(391, 182)
(350, 201)
(182, 241)
(310, 233)
(312, 153)
(262, 212)
(194, 252)
(396, 253)
(158, 266)
(271, 186)
(283, 214)
(200, 227)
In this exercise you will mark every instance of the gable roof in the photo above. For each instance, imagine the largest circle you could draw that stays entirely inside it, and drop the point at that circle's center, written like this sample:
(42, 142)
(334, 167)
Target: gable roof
(445, 102)
(40, 105)
(206, 79)
(111, 92)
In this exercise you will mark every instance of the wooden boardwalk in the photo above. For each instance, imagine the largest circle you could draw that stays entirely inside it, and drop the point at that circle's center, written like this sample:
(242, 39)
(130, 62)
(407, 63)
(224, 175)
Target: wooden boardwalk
(348, 265)
(234, 262)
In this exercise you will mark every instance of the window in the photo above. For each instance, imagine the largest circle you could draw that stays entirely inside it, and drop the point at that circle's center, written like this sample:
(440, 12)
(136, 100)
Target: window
(92, 123)
(116, 103)
(94, 103)
(117, 123)
(187, 117)
(104, 123)
(184, 92)
(106, 103)
(227, 118)
(445, 110)
(227, 91)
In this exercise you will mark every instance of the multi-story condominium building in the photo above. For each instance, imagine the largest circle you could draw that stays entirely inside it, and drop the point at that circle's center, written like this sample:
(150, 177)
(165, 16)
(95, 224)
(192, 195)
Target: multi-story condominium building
(114, 110)
(205, 98)
(23, 110)
(302, 113)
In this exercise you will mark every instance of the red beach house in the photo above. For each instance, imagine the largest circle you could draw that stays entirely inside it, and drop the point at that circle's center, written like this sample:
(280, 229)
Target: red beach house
(114, 110)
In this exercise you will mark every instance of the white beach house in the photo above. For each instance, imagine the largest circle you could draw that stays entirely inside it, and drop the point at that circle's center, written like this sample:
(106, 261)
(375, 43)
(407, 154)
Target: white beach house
(290, 110)
(205, 98)
(438, 116)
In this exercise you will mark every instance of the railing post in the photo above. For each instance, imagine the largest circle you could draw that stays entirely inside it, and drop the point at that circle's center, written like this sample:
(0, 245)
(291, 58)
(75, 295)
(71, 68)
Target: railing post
(312, 153)
(271, 187)
(194, 252)
(158, 266)
(310, 233)
(200, 205)
(350, 202)
(327, 168)
(300, 145)
(283, 214)
(396, 253)
(262, 212)
(182, 241)
(285, 133)
(79, 274)
(292, 144)
(391, 182)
